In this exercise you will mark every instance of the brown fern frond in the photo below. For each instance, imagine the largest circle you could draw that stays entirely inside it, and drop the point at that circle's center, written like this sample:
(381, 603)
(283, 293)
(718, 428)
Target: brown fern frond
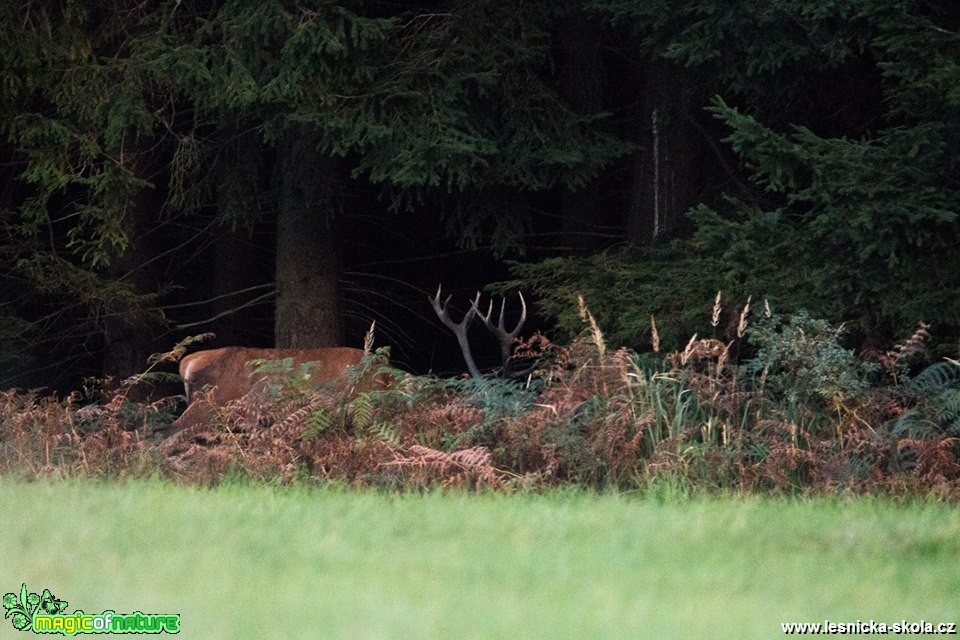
(180, 349)
(915, 345)
(296, 419)
(468, 467)
(292, 415)
(936, 463)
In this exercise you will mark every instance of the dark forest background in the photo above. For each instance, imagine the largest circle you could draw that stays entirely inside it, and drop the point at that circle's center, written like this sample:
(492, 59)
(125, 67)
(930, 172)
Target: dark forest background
(284, 172)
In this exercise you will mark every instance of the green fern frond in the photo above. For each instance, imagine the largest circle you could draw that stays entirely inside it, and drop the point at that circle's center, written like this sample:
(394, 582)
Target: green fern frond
(913, 423)
(383, 430)
(497, 396)
(363, 410)
(319, 423)
(935, 378)
(947, 410)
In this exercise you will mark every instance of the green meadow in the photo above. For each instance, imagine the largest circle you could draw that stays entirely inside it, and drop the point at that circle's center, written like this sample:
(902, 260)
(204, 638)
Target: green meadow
(258, 562)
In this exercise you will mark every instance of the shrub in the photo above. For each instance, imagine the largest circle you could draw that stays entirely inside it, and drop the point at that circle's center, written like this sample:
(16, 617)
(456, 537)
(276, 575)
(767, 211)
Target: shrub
(802, 365)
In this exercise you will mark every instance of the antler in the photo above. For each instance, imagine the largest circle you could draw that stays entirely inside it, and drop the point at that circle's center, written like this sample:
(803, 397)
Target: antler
(459, 328)
(505, 338)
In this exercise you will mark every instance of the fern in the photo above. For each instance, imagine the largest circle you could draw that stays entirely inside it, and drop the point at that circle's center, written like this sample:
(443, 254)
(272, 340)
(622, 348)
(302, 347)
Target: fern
(321, 422)
(383, 430)
(935, 394)
(947, 410)
(362, 411)
(934, 379)
(496, 396)
(912, 423)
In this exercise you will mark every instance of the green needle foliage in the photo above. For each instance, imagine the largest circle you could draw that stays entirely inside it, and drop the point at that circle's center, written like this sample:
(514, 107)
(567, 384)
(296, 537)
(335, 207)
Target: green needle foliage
(844, 118)
(123, 121)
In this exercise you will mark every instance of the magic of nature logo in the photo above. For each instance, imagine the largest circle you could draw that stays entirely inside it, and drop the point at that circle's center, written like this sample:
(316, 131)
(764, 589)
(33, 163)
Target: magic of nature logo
(44, 613)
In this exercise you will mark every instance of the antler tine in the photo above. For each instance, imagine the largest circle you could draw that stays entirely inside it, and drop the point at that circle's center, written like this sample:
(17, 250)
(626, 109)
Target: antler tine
(441, 311)
(499, 329)
(485, 317)
(523, 313)
(435, 301)
(523, 316)
(503, 336)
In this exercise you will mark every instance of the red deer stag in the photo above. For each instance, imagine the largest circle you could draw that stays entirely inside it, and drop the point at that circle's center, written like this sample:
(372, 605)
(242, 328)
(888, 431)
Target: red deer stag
(461, 328)
(231, 373)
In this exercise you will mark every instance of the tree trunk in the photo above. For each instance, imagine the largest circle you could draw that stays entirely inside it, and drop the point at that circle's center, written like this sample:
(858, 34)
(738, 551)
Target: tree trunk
(128, 327)
(308, 264)
(667, 168)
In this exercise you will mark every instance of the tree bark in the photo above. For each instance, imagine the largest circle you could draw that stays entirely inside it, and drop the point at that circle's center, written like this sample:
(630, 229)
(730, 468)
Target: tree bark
(128, 327)
(308, 262)
(128, 332)
(667, 167)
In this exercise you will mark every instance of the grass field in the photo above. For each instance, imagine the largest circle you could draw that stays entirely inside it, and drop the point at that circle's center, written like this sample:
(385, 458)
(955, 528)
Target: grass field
(253, 562)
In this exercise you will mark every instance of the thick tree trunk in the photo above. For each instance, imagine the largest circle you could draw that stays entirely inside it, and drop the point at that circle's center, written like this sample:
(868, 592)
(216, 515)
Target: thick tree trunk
(308, 264)
(667, 167)
(128, 327)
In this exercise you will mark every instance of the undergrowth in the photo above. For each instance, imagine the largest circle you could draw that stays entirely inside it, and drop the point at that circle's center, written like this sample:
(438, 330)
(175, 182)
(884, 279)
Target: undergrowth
(779, 406)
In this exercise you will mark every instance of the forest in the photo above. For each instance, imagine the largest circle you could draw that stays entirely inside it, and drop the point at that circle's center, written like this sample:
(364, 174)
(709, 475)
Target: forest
(734, 225)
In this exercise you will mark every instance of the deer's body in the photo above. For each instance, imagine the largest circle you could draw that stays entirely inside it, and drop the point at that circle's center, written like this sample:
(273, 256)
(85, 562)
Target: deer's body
(229, 373)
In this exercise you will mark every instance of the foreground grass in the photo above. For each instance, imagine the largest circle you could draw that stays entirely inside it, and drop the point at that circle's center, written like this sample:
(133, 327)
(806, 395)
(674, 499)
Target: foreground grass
(251, 562)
